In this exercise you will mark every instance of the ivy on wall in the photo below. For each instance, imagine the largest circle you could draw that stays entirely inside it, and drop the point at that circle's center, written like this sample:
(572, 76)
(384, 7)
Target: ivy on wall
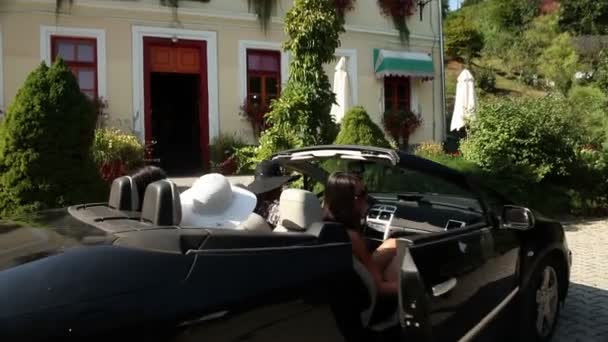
(398, 10)
(263, 9)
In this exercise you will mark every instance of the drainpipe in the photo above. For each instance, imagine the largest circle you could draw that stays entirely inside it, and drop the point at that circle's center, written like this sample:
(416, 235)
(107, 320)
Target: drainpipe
(441, 56)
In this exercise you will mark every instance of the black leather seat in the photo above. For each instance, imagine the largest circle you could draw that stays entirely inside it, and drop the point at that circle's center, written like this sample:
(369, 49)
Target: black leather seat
(161, 204)
(124, 195)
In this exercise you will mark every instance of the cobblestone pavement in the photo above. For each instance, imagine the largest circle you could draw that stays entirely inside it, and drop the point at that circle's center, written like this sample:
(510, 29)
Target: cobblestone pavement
(584, 316)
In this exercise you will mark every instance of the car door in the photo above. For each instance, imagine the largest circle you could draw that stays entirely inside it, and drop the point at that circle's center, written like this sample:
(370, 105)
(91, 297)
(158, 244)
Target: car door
(453, 282)
(264, 286)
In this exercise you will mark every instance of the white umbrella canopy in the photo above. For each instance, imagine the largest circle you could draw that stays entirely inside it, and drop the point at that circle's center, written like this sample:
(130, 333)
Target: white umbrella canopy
(342, 90)
(464, 106)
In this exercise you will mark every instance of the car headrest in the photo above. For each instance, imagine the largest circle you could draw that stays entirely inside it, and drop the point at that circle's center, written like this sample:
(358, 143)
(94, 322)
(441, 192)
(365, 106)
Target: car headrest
(123, 194)
(161, 204)
(255, 223)
(298, 210)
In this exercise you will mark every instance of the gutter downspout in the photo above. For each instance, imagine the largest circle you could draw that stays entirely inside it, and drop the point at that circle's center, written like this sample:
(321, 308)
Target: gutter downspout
(441, 49)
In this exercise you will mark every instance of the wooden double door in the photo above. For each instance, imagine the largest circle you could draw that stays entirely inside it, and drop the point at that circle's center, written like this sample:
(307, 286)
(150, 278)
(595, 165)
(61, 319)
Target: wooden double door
(177, 104)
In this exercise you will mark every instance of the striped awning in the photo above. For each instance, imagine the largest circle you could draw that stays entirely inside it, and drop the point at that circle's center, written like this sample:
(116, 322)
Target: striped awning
(400, 63)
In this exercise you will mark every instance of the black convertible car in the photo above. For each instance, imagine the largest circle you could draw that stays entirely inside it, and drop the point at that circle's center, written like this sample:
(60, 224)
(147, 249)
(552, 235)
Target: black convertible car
(474, 266)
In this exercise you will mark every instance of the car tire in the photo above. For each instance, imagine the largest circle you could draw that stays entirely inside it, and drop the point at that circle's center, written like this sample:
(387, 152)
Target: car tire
(541, 302)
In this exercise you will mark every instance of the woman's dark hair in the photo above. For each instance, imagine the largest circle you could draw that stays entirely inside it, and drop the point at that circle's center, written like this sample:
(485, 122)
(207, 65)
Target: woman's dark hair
(339, 199)
(143, 176)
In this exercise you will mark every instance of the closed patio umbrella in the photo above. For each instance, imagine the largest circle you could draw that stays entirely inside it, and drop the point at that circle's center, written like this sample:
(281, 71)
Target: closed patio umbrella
(464, 106)
(342, 91)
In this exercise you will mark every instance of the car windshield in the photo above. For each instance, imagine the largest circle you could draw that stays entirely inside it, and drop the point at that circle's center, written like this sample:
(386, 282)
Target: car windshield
(386, 180)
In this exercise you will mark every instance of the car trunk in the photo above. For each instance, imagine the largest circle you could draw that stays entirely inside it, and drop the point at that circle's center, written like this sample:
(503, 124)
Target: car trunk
(51, 232)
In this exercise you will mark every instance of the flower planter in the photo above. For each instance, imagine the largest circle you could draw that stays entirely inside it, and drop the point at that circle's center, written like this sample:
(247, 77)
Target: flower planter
(228, 166)
(112, 170)
(400, 125)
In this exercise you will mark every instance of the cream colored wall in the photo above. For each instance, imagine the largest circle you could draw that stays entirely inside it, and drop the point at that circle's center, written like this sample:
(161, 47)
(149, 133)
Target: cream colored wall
(367, 30)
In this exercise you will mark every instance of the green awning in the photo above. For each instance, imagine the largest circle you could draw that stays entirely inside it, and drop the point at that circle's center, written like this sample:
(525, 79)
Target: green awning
(398, 63)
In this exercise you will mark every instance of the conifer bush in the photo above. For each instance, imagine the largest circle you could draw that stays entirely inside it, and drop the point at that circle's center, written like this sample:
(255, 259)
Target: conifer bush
(357, 128)
(45, 145)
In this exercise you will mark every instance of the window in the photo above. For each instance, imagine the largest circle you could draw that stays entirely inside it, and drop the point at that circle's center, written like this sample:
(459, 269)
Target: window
(397, 93)
(80, 54)
(263, 77)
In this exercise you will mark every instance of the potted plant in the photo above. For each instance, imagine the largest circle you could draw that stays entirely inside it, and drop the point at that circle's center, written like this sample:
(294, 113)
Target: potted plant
(342, 6)
(399, 10)
(254, 113)
(400, 124)
(116, 153)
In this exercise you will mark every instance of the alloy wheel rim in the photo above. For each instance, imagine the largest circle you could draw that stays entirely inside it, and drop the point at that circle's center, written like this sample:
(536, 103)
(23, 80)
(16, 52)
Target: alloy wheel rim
(547, 299)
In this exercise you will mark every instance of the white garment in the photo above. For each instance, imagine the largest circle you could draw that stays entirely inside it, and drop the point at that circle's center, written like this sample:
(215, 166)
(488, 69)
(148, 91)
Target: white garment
(342, 90)
(464, 106)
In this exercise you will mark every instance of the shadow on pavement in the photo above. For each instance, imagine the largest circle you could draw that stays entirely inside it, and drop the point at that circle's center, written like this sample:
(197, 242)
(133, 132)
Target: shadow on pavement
(576, 225)
(584, 316)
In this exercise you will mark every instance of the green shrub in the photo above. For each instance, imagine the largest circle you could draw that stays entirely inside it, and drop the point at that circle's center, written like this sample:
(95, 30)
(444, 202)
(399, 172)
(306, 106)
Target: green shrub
(589, 181)
(357, 128)
(224, 146)
(486, 80)
(600, 76)
(534, 137)
(45, 144)
(591, 106)
(114, 146)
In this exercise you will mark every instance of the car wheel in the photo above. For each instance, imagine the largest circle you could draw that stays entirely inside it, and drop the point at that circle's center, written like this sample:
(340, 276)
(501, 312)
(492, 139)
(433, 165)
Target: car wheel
(541, 302)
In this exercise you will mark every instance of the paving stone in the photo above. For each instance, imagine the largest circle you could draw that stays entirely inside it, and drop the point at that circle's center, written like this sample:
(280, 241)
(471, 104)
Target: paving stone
(584, 316)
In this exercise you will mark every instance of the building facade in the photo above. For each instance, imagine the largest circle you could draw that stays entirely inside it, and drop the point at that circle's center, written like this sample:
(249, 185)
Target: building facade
(140, 57)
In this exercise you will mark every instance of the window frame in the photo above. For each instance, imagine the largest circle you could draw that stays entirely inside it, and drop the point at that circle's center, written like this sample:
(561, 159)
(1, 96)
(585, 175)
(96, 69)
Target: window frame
(46, 31)
(393, 82)
(55, 38)
(264, 75)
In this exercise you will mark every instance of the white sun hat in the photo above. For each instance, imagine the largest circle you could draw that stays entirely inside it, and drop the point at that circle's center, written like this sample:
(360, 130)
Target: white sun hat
(212, 202)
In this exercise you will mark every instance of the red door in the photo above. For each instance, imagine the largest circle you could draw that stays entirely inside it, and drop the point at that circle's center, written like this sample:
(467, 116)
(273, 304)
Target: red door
(182, 57)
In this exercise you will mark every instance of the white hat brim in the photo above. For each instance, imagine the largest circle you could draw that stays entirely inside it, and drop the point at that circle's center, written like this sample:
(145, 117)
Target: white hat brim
(242, 205)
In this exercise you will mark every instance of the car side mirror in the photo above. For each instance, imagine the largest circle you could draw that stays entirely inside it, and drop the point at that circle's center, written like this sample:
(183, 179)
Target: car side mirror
(514, 217)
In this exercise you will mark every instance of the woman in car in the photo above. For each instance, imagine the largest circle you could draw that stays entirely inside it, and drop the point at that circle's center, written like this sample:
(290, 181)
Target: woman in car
(346, 202)
(143, 177)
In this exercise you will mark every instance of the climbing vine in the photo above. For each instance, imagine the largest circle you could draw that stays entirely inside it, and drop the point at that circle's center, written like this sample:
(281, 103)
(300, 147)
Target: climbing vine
(300, 117)
(263, 9)
(399, 10)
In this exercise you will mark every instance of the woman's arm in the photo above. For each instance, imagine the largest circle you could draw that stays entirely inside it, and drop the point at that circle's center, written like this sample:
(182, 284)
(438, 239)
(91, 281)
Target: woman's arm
(360, 251)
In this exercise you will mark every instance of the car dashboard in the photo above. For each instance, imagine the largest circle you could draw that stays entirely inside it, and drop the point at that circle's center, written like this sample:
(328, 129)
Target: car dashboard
(422, 215)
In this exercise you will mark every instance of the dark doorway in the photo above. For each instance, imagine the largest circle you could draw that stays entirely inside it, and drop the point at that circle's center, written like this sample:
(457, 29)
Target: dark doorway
(175, 122)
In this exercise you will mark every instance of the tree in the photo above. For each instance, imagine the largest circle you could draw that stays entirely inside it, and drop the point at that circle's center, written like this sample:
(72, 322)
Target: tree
(466, 3)
(515, 15)
(601, 70)
(584, 17)
(45, 141)
(523, 52)
(559, 62)
(358, 129)
(301, 116)
(462, 39)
